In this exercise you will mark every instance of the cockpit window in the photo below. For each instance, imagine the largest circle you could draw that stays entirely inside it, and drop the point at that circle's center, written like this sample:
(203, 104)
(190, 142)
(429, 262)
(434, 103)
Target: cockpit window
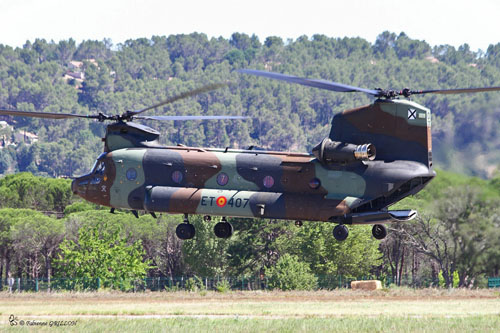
(99, 166)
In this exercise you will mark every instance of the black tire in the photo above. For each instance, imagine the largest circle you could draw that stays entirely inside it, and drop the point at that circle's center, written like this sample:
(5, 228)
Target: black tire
(379, 231)
(223, 230)
(185, 231)
(340, 232)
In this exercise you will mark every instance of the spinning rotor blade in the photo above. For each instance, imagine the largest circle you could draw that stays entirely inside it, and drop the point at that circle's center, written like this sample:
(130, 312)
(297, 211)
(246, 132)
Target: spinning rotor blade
(454, 91)
(321, 84)
(189, 117)
(49, 115)
(334, 86)
(194, 92)
(128, 115)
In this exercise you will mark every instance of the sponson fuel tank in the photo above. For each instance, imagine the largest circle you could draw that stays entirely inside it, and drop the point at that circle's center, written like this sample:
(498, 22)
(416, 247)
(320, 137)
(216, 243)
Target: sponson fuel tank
(241, 203)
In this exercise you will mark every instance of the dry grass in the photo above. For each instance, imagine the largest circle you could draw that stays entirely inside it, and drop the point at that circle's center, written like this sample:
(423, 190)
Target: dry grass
(398, 302)
(339, 310)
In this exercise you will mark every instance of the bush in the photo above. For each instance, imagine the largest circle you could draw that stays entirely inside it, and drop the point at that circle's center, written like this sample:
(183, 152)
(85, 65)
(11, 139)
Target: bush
(223, 286)
(291, 274)
(194, 284)
(455, 280)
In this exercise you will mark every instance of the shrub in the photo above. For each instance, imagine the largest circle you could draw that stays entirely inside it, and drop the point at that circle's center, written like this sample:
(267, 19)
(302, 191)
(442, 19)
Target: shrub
(223, 286)
(290, 273)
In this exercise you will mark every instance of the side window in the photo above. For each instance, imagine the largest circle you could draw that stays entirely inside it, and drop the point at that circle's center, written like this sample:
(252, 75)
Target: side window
(131, 174)
(177, 177)
(268, 181)
(222, 179)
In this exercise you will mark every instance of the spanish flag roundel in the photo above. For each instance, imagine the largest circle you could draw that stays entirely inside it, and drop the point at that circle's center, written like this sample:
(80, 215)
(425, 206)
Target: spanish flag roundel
(221, 201)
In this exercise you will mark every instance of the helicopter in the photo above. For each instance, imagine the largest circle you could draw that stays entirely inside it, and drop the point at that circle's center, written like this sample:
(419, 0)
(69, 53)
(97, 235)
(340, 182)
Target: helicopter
(374, 156)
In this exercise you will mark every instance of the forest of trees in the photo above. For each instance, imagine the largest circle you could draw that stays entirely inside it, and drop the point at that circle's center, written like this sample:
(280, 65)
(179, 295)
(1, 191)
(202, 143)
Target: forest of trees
(141, 72)
(456, 233)
(41, 223)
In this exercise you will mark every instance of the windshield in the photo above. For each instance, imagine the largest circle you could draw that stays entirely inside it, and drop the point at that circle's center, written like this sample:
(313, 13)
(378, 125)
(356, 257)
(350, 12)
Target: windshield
(98, 164)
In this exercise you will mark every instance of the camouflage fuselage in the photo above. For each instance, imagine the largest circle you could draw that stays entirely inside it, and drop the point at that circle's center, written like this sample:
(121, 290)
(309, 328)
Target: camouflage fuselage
(239, 183)
(267, 184)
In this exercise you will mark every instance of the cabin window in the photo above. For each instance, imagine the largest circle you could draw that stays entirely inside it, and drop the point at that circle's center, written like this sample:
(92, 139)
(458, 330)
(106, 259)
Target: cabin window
(222, 179)
(268, 181)
(131, 174)
(177, 177)
(314, 183)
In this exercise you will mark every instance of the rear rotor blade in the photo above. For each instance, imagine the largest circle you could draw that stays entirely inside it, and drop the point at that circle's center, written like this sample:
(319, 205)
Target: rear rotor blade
(48, 115)
(190, 117)
(194, 92)
(455, 91)
(321, 84)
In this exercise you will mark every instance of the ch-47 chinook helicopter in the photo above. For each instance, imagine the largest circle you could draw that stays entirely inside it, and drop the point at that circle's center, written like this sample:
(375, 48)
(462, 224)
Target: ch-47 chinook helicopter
(374, 156)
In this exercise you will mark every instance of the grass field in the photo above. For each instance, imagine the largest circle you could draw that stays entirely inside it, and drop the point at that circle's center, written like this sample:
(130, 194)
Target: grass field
(401, 310)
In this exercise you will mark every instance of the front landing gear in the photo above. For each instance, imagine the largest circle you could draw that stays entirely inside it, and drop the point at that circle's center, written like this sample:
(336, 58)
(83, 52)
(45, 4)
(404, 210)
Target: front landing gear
(185, 230)
(340, 232)
(223, 229)
(379, 231)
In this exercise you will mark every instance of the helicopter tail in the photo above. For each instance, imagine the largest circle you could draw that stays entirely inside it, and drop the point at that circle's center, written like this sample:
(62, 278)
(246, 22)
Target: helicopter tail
(399, 129)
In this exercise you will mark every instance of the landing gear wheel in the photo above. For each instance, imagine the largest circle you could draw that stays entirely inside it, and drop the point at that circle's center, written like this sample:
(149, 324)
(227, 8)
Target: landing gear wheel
(340, 232)
(207, 218)
(185, 231)
(223, 230)
(379, 231)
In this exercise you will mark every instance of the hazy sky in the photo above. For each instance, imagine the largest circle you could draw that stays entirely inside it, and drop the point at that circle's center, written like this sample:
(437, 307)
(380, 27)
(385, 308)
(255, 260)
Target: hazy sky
(453, 22)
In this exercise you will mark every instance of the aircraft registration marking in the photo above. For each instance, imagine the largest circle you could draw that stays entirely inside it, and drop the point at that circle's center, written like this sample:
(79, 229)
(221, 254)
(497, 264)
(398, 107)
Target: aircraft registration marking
(222, 201)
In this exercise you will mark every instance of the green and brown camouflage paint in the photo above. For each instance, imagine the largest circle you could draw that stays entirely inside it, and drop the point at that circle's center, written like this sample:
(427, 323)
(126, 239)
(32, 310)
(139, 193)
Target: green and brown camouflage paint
(140, 174)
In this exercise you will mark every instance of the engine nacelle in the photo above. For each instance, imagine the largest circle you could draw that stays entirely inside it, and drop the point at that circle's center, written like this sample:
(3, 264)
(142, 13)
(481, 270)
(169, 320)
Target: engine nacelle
(341, 152)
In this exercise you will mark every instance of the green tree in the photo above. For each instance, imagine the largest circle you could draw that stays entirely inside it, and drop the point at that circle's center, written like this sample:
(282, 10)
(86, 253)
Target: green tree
(455, 234)
(258, 244)
(206, 255)
(354, 257)
(290, 273)
(102, 253)
(36, 238)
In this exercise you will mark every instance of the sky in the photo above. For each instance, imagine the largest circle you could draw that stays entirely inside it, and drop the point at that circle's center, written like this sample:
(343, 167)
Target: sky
(452, 22)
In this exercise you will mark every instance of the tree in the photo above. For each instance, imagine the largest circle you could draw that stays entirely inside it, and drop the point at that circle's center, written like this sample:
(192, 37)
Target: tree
(6, 249)
(290, 273)
(23, 190)
(455, 235)
(354, 257)
(206, 255)
(101, 253)
(36, 238)
(258, 244)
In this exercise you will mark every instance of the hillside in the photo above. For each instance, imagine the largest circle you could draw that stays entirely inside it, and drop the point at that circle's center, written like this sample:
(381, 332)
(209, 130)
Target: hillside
(96, 75)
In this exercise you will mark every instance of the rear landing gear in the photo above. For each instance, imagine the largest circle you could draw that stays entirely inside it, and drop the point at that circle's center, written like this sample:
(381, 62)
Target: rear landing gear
(379, 231)
(340, 232)
(185, 230)
(223, 229)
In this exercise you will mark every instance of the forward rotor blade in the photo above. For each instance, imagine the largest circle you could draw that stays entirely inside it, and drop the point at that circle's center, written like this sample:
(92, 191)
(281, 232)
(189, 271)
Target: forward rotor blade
(194, 92)
(455, 91)
(49, 115)
(321, 84)
(189, 117)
